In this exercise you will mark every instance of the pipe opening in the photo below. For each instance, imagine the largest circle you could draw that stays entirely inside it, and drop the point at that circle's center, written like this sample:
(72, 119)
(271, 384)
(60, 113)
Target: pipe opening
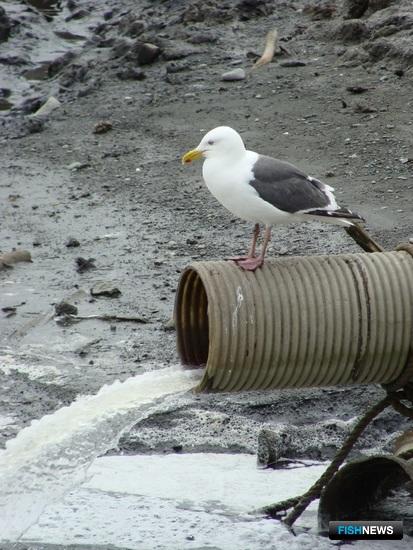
(191, 318)
(373, 489)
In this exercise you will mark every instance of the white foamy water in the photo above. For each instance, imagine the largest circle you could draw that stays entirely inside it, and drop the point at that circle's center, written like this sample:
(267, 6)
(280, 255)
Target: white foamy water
(51, 456)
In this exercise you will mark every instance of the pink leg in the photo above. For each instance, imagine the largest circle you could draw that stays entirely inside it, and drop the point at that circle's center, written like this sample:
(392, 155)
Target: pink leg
(251, 264)
(251, 252)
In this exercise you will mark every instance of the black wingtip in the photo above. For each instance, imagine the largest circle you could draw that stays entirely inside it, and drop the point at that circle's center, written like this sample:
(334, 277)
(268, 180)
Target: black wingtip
(340, 213)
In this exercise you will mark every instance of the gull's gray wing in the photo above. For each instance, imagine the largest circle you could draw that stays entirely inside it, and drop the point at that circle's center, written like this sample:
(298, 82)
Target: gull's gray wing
(288, 189)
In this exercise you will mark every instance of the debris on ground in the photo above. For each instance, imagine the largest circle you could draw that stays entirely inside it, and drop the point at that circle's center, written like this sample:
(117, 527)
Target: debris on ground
(105, 288)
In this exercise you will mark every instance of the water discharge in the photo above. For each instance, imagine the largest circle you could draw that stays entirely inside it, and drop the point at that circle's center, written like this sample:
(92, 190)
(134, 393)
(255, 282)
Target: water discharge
(52, 455)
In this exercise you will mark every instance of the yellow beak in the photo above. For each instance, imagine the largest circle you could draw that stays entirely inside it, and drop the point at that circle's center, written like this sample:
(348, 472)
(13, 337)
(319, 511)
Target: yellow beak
(194, 154)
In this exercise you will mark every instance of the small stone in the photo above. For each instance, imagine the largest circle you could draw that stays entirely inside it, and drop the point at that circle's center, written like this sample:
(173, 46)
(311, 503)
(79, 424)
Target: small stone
(84, 265)
(411, 240)
(9, 311)
(72, 242)
(64, 308)
(203, 38)
(399, 72)
(235, 74)
(146, 53)
(170, 325)
(174, 67)
(131, 73)
(330, 174)
(51, 104)
(364, 108)
(179, 52)
(357, 89)
(105, 288)
(354, 9)
(272, 446)
(5, 25)
(102, 127)
(293, 63)
(77, 165)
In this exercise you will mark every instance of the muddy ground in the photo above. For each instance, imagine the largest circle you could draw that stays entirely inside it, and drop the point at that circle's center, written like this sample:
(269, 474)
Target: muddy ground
(124, 196)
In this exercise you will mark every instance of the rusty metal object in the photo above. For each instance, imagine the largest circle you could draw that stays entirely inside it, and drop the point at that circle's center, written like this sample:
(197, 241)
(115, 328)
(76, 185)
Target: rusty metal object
(376, 487)
(298, 321)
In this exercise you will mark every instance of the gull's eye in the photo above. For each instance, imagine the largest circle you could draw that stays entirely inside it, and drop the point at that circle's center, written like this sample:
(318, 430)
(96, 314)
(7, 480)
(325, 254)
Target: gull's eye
(211, 142)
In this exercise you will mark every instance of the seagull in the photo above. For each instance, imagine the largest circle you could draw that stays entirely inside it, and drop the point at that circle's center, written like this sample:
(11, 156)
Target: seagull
(262, 189)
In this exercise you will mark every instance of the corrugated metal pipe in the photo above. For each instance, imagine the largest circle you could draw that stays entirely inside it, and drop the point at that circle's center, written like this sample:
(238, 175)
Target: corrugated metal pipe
(298, 321)
(373, 488)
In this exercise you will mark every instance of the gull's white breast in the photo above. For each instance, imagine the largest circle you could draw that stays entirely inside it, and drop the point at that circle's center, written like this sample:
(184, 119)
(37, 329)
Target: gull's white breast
(228, 182)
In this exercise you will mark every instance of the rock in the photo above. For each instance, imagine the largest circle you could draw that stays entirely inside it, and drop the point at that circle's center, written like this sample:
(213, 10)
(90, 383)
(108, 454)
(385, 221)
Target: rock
(319, 12)
(51, 104)
(178, 51)
(400, 48)
(174, 79)
(204, 37)
(20, 126)
(364, 108)
(293, 63)
(144, 53)
(64, 308)
(32, 104)
(102, 127)
(355, 8)
(174, 67)
(72, 242)
(376, 5)
(11, 58)
(104, 288)
(131, 73)
(357, 89)
(78, 14)
(82, 264)
(5, 25)
(354, 56)
(77, 165)
(200, 11)
(272, 447)
(352, 30)
(131, 25)
(235, 74)
(169, 325)
(9, 311)
(249, 9)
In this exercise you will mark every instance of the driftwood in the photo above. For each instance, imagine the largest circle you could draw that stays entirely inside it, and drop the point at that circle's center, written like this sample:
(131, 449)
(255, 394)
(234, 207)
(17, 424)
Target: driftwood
(271, 48)
(363, 239)
(67, 318)
(8, 259)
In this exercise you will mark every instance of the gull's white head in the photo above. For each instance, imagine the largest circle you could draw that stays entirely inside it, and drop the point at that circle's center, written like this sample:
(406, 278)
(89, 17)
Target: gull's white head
(222, 141)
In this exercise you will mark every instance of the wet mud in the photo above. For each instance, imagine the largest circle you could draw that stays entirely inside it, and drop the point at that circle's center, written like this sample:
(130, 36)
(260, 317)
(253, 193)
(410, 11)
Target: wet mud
(121, 200)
